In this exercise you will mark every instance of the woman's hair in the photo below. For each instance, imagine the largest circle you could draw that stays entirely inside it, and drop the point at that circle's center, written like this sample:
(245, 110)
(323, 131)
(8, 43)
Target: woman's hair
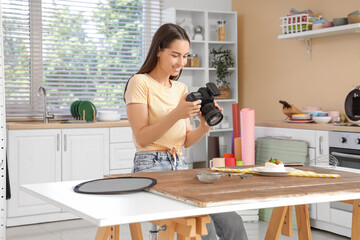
(161, 40)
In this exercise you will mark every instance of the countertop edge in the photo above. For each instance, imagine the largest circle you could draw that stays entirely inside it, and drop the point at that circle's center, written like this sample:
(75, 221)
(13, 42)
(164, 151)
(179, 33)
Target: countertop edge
(309, 126)
(57, 125)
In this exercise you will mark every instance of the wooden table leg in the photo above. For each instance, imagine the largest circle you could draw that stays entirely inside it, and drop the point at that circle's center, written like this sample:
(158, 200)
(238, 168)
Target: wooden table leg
(286, 229)
(115, 232)
(102, 233)
(303, 222)
(355, 227)
(135, 230)
(276, 223)
(186, 228)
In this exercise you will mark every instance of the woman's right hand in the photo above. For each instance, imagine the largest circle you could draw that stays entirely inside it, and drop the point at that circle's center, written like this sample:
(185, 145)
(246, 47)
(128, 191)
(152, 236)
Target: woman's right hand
(187, 109)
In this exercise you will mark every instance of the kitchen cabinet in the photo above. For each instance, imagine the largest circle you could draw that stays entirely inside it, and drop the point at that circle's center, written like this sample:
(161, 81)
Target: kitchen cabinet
(322, 215)
(122, 150)
(196, 77)
(34, 157)
(51, 155)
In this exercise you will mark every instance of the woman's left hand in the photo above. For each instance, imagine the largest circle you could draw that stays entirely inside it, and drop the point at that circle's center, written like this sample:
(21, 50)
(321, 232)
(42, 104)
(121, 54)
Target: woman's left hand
(217, 106)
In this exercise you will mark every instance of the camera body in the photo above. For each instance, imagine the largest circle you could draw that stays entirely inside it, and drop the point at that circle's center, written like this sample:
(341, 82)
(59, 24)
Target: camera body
(207, 94)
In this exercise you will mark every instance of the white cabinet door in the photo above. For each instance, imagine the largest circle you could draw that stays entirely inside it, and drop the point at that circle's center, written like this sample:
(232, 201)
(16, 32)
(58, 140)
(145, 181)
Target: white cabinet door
(85, 153)
(122, 155)
(34, 157)
(122, 150)
(322, 148)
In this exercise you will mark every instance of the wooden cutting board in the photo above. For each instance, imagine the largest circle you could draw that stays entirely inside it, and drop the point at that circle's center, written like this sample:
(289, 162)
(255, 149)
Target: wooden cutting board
(184, 185)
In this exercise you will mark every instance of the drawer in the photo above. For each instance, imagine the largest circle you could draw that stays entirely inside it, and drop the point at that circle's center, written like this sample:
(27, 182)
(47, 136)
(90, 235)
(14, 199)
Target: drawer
(121, 155)
(121, 134)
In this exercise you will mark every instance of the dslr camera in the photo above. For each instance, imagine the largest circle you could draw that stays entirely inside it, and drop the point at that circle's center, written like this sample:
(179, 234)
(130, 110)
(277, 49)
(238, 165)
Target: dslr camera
(207, 94)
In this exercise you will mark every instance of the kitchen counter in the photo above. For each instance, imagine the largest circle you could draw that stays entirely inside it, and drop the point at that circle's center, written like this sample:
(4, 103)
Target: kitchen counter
(311, 126)
(60, 125)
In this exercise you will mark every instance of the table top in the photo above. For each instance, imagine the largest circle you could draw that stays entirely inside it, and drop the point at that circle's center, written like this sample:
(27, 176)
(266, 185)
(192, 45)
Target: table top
(107, 210)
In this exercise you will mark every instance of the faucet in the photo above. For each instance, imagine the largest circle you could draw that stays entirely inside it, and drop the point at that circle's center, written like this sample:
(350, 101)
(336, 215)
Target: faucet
(46, 115)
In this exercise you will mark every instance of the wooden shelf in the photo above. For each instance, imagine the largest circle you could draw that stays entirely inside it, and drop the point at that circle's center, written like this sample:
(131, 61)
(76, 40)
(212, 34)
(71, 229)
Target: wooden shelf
(324, 32)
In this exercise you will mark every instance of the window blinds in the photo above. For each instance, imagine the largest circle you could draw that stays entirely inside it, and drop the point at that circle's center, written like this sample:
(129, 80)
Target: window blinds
(76, 49)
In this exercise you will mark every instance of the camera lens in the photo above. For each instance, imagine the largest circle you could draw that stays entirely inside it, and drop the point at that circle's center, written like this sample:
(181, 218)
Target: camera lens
(212, 115)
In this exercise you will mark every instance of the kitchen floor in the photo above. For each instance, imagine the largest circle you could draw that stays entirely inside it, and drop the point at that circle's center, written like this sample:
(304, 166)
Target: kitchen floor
(82, 230)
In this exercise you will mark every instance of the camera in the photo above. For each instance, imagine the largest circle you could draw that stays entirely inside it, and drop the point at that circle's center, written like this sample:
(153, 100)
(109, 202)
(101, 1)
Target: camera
(207, 94)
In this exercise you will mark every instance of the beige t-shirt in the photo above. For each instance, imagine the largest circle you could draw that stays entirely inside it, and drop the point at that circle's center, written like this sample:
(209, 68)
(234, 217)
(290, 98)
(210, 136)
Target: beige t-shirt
(160, 100)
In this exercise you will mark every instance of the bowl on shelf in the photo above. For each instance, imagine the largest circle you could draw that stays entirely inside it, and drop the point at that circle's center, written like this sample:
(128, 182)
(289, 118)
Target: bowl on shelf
(108, 116)
(324, 119)
(357, 12)
(354, 18)
(340, 21)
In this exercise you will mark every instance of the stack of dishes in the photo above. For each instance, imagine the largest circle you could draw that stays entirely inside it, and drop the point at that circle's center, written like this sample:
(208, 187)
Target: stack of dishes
(301, 118)
(109, 116)
(83, 110)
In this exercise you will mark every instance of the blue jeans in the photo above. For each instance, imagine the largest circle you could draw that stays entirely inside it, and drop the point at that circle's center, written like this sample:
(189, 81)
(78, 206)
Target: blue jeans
(228, 226)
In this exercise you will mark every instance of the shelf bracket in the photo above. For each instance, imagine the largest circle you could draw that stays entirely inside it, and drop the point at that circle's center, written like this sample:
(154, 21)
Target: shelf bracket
(307, 42)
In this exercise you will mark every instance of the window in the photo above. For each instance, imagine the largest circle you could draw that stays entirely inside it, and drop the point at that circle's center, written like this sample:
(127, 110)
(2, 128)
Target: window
(76, 49)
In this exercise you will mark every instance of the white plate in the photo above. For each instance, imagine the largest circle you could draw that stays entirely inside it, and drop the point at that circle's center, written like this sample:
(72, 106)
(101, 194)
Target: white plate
(265, 172)
(300, 120)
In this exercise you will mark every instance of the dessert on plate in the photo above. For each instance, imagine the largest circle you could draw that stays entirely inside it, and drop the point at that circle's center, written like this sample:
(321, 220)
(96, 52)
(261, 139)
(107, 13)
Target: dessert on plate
(274, 165)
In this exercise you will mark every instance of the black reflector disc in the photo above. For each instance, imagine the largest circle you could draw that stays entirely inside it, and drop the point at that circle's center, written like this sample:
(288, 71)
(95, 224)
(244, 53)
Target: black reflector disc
(115, 185)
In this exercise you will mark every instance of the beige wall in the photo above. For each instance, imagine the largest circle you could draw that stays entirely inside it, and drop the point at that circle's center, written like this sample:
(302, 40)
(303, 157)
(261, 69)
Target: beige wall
(271, 70)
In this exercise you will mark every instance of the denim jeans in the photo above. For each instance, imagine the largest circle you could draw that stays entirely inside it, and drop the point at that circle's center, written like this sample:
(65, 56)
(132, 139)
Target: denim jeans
(150, 161)
(228, 226)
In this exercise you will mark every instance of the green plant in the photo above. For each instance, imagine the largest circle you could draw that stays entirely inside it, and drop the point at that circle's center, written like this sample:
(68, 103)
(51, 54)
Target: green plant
(222, 61)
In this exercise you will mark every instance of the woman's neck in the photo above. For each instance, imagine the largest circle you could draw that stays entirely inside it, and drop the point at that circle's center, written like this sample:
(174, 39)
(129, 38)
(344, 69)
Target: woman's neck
(160, 77)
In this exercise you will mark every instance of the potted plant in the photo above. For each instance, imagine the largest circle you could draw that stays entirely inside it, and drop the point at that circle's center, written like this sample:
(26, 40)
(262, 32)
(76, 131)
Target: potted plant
(222, 60)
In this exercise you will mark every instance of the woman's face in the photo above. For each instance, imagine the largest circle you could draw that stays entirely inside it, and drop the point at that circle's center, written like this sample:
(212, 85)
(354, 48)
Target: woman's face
(172, 59)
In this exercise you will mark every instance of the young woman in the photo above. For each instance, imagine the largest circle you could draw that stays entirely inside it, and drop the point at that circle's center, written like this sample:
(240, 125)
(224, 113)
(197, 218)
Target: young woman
(159, 117)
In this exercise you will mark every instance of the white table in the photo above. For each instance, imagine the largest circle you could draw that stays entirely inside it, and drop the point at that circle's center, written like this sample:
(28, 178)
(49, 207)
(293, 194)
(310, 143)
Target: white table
(110, 210)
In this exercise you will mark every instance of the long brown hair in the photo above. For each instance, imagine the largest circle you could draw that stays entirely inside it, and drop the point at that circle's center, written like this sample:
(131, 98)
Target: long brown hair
(161, 40)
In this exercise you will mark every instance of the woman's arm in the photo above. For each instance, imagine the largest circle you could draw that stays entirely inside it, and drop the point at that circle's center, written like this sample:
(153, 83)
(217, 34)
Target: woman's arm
(193, 136)
(146, 134)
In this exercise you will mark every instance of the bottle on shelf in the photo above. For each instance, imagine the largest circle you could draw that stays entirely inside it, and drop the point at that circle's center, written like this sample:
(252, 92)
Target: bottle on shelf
(221, 31)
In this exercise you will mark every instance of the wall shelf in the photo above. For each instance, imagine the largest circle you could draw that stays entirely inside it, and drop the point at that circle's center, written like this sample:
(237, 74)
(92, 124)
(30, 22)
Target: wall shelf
(324, 32)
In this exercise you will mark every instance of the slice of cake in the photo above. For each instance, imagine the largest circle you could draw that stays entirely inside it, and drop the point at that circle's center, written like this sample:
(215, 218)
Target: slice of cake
(274, 165)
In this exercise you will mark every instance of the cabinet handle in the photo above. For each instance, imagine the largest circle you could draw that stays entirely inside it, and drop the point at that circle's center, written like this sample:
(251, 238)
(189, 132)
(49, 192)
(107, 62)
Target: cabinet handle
(320, 145)
(65, 142)
(58, 142)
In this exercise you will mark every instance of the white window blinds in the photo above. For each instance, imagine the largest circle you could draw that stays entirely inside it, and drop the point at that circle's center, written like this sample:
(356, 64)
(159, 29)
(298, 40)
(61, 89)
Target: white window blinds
(76, 49)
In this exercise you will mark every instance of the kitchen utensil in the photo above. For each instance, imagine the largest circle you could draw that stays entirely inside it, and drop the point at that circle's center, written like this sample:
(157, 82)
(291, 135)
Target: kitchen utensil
(322, 119)
(288, 109)
(357, 12)
(208, 177)
(328, 24)
(334, 116)
(87, 111)
(354, 18)
(317, 26)
(352, 105)
(76, 109)
(300, 120)
(301, 116)
(265, 172)
(109, 116)
(340, 21)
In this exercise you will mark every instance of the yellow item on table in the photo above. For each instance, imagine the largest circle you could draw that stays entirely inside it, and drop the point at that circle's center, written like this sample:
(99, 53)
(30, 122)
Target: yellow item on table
(300, 173)
(297, 173)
